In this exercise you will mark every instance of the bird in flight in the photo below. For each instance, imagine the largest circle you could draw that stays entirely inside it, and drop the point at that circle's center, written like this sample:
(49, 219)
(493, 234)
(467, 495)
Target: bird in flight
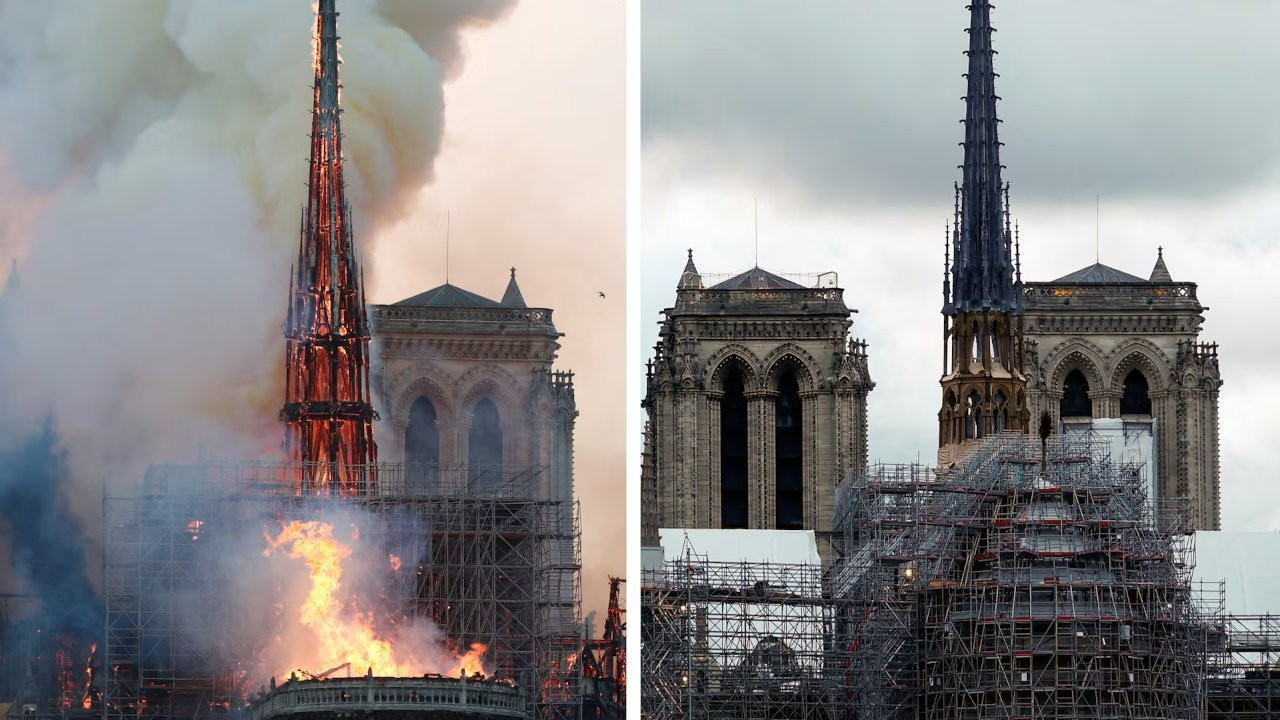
(600, 293)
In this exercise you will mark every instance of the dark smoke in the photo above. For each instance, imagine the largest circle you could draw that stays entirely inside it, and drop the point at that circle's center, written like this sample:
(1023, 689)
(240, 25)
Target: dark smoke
(45, 538)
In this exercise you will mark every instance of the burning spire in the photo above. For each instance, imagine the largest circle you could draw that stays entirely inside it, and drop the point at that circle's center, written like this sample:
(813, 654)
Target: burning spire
(327, 409)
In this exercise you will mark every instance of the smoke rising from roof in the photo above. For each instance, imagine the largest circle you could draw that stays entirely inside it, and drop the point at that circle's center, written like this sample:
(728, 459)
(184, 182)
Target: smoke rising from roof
(152, 165)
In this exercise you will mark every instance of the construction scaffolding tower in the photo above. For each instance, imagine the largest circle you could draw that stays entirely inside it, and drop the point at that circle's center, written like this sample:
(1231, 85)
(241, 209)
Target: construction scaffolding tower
(1035, 580)
(739, 640)
(488, 561)
(1243, 678)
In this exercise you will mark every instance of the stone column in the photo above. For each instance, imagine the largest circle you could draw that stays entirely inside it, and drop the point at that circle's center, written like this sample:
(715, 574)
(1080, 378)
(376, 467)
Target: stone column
(761, 490)
(711, 445)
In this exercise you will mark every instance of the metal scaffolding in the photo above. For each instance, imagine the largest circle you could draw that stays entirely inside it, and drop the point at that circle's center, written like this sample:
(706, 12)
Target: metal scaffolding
(739, 640)
(1036, 580)
(1243, 678)
(488, 559)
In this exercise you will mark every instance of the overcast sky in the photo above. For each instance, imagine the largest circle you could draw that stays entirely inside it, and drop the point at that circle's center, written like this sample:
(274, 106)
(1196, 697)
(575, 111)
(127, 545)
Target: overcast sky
(842, 121)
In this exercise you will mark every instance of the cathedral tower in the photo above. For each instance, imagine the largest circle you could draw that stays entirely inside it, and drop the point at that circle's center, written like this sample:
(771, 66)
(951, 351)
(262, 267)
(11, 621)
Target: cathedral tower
(327, 411)
(757, 405)
(983, 386)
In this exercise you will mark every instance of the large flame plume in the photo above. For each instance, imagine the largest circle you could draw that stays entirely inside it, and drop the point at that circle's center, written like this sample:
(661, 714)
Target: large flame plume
(341, 632)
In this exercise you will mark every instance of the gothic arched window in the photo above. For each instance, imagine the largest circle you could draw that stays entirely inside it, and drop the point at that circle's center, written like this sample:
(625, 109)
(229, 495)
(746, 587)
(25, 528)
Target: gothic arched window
(789, 452)
(1136, 399)
(484, 447)
(421, 445)
(995, 343)
(1000, 414)
(973, 416)
(733, 451)
(1075, 396)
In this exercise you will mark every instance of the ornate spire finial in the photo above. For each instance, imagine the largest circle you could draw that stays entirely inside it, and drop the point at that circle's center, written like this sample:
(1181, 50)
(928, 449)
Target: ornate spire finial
(982, 270)
(513, 272)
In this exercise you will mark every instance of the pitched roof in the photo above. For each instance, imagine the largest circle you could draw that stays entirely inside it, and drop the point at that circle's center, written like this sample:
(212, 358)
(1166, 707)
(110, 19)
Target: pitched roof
(1100, 274)
(757, 279)
(512, 297)
(448, 296)
(690, 277)
(1160, 273)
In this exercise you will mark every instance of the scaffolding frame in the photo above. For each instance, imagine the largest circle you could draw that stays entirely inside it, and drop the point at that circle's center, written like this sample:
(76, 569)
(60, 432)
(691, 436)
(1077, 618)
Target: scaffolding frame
(739, 640)
(1243, 678)
(1034, 580)
(492, 562)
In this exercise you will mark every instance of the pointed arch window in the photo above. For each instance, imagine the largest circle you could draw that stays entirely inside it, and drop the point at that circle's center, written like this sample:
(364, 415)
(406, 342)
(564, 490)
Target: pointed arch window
(973, 416)
(1000, 413)
(1136, 399)
(484, 447)
(422, 446)
(995, 343)
(789, 454)
(976, 342)
(733, 451)
(952, 418)
(1075, 396)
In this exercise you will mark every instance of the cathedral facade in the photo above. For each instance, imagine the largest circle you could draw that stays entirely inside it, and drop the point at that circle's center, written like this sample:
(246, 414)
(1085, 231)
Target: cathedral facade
(469, 393)
(1105, 344)
(757, 405)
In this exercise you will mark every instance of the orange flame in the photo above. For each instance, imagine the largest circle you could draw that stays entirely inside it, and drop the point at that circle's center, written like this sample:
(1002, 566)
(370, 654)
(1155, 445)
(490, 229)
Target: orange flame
(343, 634)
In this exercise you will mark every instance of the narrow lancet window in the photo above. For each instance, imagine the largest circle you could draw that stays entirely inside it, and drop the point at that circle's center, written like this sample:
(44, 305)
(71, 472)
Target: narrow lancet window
(1075, 396)
(789, 450)
(421, 446)
(733, 452)
(484, 443)
(1136, 399)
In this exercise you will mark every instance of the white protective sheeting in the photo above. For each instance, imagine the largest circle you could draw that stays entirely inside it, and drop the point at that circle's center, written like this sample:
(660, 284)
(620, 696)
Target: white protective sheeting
(789, 547)
(1250, 564)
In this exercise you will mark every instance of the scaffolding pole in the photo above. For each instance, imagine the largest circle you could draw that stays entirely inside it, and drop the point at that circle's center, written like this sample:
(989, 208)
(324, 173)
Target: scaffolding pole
(485, 558)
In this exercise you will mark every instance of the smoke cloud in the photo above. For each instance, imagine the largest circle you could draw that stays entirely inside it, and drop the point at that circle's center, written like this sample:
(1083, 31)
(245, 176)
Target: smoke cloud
(152, 167)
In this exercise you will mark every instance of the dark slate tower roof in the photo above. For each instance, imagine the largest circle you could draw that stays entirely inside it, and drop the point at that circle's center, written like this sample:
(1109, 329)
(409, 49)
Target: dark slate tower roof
(756, 279)
(450, 296)
(1099, 274)
(983, 274)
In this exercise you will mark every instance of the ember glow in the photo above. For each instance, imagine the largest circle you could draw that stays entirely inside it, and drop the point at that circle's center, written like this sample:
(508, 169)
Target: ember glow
(341, 632)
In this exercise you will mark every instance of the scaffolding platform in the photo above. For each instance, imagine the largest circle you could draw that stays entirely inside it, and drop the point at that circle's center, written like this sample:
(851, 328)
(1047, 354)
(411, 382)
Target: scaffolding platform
(485, 556)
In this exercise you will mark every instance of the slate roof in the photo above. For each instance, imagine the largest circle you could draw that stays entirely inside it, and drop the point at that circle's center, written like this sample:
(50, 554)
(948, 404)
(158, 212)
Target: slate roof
(757, 279)
(1099, 274)
(448, 296)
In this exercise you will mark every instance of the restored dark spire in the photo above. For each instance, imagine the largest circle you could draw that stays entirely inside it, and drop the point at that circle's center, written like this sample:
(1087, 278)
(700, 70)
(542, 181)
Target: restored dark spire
(327, 409)
(982, 270)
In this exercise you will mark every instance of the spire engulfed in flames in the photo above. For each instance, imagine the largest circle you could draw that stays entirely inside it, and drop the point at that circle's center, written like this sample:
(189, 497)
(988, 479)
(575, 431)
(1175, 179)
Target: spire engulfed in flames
(327, 407)
(342, 633)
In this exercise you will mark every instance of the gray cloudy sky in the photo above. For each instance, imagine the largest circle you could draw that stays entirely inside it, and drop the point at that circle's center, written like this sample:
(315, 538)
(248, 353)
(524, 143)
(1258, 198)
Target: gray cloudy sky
(842, 119)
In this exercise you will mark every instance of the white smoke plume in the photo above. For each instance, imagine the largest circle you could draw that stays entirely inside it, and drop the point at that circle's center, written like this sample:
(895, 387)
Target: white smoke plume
(153, 161)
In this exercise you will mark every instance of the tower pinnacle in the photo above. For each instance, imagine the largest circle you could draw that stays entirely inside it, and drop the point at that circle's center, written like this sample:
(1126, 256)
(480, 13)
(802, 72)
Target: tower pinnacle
(982, 271)
(327, 411)
(983, 383)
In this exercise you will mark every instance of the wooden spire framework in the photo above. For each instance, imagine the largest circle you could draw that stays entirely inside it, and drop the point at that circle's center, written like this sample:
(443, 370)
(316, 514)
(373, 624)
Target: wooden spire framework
(327, 410)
